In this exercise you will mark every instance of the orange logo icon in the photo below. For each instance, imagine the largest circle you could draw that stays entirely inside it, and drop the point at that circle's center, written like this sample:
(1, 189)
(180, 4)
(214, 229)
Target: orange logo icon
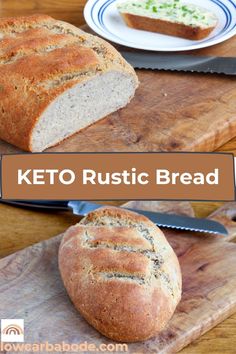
(12, 330)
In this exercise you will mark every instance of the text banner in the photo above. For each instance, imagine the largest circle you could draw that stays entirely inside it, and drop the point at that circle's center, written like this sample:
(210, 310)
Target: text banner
(104, 176)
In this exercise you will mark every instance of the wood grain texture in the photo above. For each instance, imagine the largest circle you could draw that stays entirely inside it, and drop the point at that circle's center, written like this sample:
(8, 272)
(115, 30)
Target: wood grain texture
(21, 227)
(230, 146)
(70, 11)
(227, 215)
(170, 112)
(209, 292)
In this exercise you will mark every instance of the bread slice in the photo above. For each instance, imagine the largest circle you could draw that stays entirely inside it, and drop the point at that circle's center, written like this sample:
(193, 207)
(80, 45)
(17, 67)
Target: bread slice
(121, 274)
(55, 80)
(170, 17)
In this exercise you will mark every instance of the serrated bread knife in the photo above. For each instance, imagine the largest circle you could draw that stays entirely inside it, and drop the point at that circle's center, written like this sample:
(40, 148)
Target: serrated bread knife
(178, 222)
(181, 62)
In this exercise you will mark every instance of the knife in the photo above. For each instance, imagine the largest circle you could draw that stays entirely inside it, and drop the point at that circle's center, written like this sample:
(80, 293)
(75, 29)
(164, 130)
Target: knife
(181, 62)
(82, 208)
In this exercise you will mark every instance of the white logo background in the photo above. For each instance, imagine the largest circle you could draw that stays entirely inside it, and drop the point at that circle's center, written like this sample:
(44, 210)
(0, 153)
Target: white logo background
(12, 330)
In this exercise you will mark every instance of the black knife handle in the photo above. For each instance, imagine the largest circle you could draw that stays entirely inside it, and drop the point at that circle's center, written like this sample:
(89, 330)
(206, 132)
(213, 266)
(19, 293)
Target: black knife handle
(42, 204)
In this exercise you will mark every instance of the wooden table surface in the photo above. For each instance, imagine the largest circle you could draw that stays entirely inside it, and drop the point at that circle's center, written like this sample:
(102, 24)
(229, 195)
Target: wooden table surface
(21, 228)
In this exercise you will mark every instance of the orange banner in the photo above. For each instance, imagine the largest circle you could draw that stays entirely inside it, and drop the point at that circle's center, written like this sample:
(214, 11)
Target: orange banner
(103, 176)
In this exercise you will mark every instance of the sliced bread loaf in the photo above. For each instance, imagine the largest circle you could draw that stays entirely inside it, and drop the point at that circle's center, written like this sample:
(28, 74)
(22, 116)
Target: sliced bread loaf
(55, 80)
(170, 17)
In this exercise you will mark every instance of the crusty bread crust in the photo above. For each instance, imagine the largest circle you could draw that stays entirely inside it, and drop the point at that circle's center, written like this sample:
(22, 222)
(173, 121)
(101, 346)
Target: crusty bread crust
(40, 58)
(166, 27)
(121, 274)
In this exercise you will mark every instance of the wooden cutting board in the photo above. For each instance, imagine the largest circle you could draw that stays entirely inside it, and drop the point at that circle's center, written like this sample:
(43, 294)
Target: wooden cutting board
(31, 288)
(171, 112)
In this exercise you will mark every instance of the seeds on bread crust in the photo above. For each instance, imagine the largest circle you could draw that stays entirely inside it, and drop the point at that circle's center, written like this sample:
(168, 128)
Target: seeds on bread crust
(120, 273)
(61, 78)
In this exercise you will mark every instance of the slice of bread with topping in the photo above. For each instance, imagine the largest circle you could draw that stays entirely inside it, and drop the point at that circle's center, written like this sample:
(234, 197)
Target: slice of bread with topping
(170, 17)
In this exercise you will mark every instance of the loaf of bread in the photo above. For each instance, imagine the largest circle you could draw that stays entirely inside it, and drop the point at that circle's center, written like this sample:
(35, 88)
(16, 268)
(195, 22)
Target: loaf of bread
(170, 17)
(55, 80)
(121, 274)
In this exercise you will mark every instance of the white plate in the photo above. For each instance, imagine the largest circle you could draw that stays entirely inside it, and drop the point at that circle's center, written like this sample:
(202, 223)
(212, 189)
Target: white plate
(103, 17)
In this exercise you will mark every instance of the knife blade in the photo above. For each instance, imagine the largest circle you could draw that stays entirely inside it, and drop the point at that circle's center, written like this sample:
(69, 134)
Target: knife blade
(181, 62)
(82, 208)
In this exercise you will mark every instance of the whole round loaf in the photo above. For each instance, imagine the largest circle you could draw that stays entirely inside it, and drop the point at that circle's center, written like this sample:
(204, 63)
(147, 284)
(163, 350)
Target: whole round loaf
(121, 274)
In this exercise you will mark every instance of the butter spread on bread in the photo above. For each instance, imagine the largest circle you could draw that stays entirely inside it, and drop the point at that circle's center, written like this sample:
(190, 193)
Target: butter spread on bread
(171, 17)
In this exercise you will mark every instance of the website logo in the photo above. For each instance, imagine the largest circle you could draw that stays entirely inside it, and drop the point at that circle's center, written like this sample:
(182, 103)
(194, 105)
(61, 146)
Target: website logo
(12, 330)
